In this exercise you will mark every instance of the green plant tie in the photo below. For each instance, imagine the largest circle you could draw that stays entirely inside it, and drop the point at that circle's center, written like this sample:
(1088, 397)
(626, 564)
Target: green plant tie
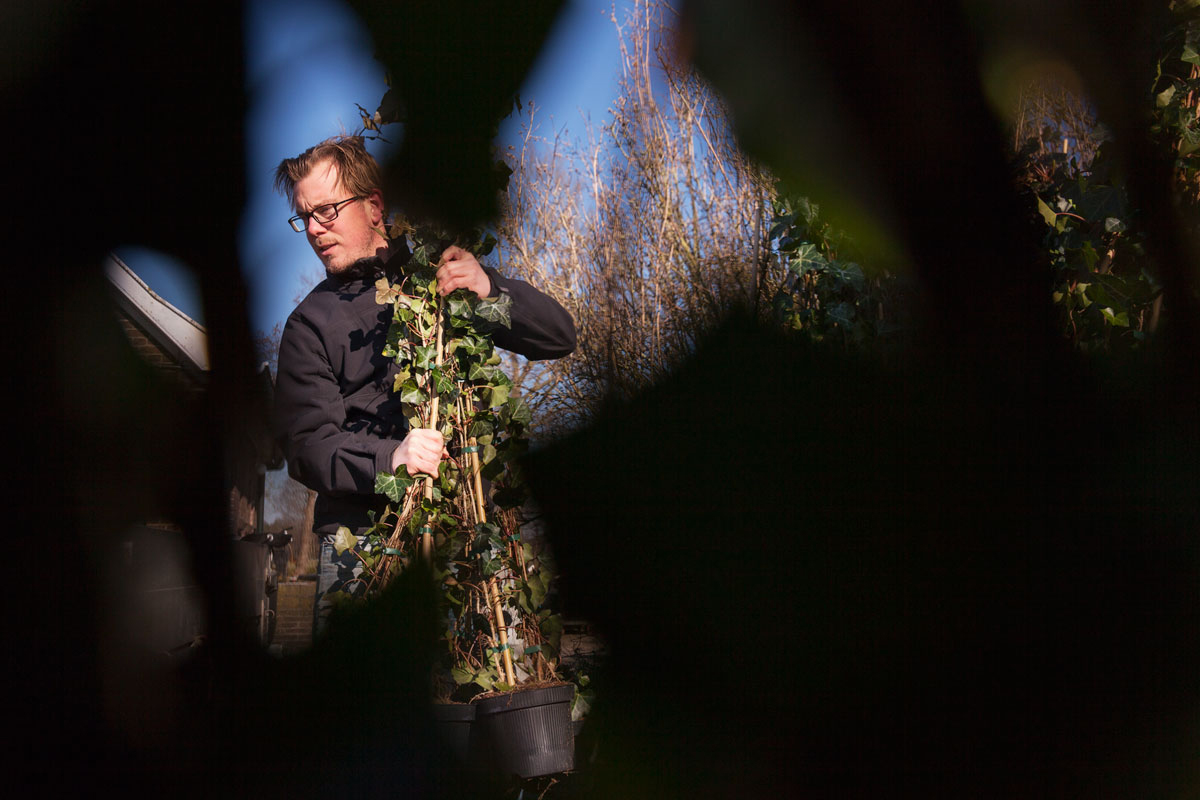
(537, 648)
(426, 529)
(392, 551)
(499, 649)
(471, 449)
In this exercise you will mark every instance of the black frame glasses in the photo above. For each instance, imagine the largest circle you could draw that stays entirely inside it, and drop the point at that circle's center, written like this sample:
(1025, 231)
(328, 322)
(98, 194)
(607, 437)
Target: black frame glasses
(324, 214)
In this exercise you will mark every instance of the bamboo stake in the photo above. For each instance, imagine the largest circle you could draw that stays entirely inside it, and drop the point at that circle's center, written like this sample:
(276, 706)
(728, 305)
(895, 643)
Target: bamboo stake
(427, 531)
(491, 590)
(495, 656)
(502, 630)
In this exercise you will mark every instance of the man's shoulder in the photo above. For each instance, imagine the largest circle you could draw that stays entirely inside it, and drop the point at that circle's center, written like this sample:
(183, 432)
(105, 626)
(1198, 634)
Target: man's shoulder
(322, 298)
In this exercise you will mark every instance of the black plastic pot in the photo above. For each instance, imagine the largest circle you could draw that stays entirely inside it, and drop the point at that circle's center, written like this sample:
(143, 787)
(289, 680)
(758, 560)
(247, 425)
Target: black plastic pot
(453, 723)
(528, 733)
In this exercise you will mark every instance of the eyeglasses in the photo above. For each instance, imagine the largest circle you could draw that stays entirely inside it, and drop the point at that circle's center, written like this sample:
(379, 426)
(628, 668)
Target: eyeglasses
(323, 214)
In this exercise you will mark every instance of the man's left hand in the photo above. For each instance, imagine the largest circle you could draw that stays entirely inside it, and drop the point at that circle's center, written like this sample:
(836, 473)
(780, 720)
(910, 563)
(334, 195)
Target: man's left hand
(460, 270)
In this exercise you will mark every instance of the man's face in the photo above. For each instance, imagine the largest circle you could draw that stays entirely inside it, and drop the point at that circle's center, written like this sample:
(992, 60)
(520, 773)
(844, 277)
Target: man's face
(354, 234)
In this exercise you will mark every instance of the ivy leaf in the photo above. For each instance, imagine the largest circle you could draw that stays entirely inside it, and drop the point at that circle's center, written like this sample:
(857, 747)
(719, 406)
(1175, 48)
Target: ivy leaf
(411, 393)
(385, 292)
(807, 257)
(489, 532)
(484, 372)
(393, 485)
(424, 355)
(495, 310)
(344, 540)
(1163, 98)
(1120, 320)
(401, 376)
(459, 308)
(497, 395)
(420, 257)
(1046, 212)
(1113, 225)
(1089, 255)
(535, 588)
(443, 382)
(842, 313)
(516, 411)
(551, 628)
(849, 273)
(481, 428)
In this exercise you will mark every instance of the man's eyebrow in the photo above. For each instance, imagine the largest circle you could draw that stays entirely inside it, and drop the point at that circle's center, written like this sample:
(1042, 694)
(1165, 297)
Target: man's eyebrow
(316, 206)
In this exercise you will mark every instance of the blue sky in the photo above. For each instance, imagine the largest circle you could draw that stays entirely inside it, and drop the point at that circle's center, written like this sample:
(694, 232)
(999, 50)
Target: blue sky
(308, 63)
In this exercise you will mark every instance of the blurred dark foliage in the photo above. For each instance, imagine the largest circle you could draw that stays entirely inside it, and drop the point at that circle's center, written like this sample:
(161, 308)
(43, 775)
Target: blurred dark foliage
(454, 69)
(123, 123)
(973, 575)
(974, 572)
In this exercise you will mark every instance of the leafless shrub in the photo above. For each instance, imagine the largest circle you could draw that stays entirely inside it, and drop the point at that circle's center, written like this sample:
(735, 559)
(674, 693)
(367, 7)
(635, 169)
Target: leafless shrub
(648, 230)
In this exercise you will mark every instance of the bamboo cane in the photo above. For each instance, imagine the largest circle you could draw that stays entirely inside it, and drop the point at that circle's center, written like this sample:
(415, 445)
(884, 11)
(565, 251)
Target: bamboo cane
(427, 531)
(490, 588)
(502, 629)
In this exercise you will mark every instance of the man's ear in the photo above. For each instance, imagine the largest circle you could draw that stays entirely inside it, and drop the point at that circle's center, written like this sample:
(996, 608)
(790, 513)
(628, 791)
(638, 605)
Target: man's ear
(375, 203)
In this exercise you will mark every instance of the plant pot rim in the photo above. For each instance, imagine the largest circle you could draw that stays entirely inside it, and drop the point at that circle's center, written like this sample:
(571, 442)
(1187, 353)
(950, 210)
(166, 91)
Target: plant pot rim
(524, 697)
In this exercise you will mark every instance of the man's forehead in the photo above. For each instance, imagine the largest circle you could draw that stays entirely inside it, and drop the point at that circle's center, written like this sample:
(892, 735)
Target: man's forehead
(322, 184)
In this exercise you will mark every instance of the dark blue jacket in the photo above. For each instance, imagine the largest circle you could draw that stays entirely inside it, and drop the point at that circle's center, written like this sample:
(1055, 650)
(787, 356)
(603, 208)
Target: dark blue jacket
(336, 416)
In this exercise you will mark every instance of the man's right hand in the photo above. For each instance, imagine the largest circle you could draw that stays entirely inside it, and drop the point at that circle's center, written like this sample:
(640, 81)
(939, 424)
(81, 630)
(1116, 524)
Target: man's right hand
(421, 451)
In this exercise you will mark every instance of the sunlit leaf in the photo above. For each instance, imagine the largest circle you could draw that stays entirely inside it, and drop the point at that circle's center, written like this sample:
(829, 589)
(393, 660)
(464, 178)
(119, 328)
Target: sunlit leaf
(344, 540)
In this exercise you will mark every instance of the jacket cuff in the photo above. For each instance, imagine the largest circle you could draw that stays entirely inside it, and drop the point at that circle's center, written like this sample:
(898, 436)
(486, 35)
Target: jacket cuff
(383, 456)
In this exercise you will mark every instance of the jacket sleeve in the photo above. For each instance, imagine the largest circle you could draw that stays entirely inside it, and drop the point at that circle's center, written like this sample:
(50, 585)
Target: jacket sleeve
(310, 415)
(541, 328)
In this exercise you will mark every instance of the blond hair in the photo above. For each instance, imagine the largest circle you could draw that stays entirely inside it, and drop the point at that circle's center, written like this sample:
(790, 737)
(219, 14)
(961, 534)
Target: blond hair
(357, 169)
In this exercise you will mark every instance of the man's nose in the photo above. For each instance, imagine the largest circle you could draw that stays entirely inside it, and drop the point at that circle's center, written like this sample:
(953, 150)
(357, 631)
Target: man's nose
(315, 228)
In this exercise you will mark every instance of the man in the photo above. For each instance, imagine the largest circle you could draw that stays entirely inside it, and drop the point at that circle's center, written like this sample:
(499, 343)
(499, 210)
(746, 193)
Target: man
(337, 417)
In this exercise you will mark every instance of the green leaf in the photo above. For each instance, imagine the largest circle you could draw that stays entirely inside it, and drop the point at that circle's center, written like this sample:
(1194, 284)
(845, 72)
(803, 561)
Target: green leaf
(1163, 98)
(1089, 256)
(459, 308)
(807, 257)
(495, 310)
(535, 588)
(411, 393)
(443, 382)
(515, 410)
(848, 273)
(481, 428)
(392, 485)
(551, 628)
(1113, 225)
(1120, 320)
(489, 566)
(842, 313)
(487, 373)
(344, 540)
(489, 532)
(1046, 212)
(497, 395)
(385, 292)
